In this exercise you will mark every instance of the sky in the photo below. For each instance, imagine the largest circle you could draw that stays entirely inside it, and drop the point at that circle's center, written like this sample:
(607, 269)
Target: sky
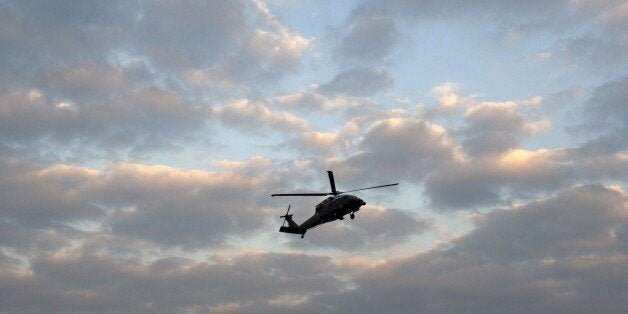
(140, 142)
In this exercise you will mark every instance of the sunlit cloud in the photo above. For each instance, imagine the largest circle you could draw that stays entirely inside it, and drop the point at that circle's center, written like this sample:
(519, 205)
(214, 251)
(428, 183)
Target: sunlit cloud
(140, 142)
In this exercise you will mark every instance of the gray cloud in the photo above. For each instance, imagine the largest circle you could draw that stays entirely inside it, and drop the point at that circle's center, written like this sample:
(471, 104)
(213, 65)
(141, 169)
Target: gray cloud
(159, 204)
(492, 128)
(358, 82)
(172, 35)
(373, 28)
(397, 148)
(39, 34)
(606, 114)
(485, 181)
(86, 83)
(142, 118)
(543, 256)
(604, 167)
(100, 80)
(86, 282)
(127, 76)
(578, 221)
(517, 260)
(84, 76)
(189, 34)
(39, 197)
(369, 38)
(215, 46)
(176, 207)
(497, 172)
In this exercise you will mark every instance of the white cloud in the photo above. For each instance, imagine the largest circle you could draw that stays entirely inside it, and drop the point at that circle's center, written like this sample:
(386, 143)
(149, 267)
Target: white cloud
(283, 44)
(255, 117)
(309, 100)
(447, 96)
(324, 142)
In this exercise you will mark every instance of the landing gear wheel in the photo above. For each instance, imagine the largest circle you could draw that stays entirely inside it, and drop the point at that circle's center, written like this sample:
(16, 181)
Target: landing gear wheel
(302, 236)
(352, 215)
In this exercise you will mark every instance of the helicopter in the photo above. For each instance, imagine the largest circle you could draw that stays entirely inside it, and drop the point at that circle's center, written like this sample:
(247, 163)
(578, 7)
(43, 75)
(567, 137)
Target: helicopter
(332, 208)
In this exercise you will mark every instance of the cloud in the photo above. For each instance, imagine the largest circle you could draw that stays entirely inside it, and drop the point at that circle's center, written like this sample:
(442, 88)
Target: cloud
(139, 119)
(480, 163)
(579, 221)
(596, 48)
(321, 142)
(232, 42)
(280, 46)
(604, 167)
(401, 148)
(255, 117)
(497, 171)
(39, 197)
(87, 226)
(468, 184)
(80, 281)
(493, 127)
(166, 206)
(175, 207)
(39, 34)
(593, 53)
(180, 35)
(86, 83)
(447, 97)
(369, 38)
(263, 53)
(358, 82)
(545, 256)
(314, 99)
(605, 110)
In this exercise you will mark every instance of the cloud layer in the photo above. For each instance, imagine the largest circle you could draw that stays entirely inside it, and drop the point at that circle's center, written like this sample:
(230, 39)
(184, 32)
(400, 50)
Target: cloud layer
(140, 143)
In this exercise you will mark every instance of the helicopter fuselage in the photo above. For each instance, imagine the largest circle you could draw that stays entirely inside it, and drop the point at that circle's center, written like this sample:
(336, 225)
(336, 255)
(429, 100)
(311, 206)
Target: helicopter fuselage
(330, 209)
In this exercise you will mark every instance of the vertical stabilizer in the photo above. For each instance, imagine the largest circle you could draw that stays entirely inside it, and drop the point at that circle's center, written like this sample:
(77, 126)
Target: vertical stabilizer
(292, 227)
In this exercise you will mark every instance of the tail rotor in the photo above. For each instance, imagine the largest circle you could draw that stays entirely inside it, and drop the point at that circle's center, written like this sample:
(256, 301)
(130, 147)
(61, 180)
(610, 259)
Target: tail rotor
(286, 216)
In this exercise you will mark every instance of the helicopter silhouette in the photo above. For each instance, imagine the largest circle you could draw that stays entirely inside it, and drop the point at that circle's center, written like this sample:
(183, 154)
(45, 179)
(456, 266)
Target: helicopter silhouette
(332, 208)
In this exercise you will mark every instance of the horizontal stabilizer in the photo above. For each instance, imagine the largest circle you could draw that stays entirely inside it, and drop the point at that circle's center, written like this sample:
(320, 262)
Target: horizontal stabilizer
(289, 230)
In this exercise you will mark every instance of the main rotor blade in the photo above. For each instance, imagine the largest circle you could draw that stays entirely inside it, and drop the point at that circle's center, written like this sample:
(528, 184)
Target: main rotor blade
(332, 182)
(373, 187)
(301, 194)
